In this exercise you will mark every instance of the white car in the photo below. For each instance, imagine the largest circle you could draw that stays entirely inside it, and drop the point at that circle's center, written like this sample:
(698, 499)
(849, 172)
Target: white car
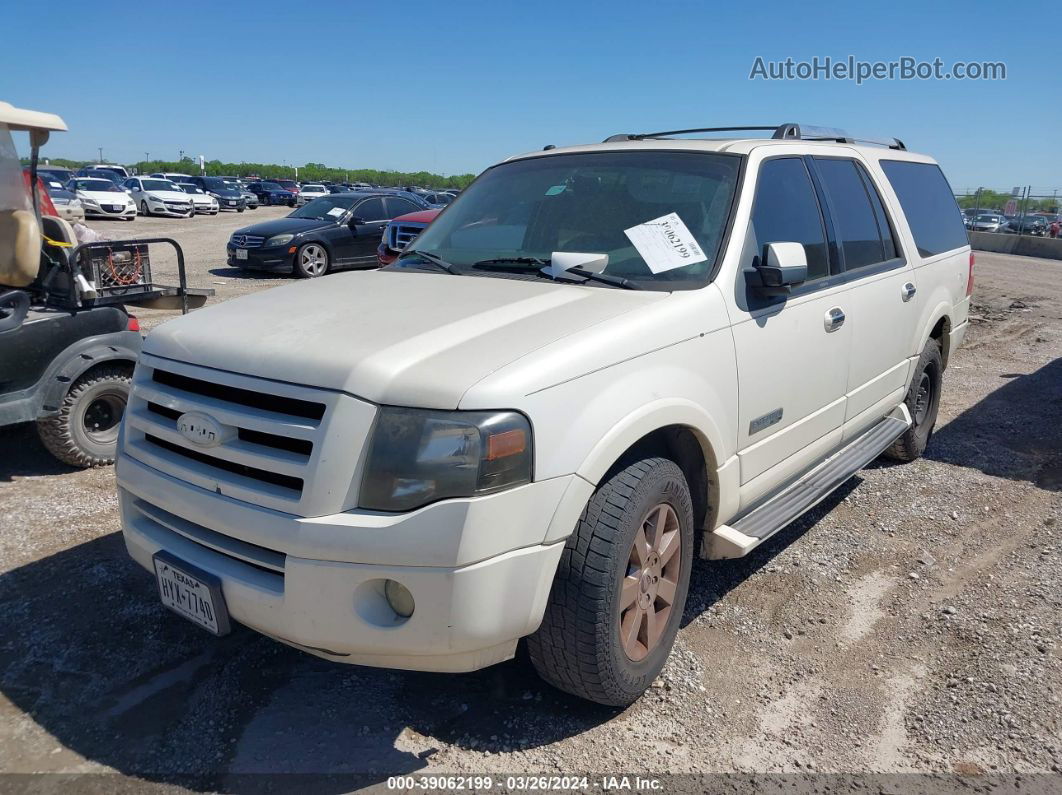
(309, 192)
(157, 196)
(201, 200)
(101, 198)
(671, 348)
(172, 176)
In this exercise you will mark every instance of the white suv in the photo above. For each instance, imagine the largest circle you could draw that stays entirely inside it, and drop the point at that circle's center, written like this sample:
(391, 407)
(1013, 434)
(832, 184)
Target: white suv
(598, 362)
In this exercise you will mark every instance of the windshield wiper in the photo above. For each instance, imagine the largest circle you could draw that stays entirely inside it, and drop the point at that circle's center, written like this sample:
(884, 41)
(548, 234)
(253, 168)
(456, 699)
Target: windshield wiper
(433, 259)
(536, 265)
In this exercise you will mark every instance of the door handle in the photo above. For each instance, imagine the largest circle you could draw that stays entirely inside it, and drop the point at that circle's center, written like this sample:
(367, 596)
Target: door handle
(834, 319)
(907, 292)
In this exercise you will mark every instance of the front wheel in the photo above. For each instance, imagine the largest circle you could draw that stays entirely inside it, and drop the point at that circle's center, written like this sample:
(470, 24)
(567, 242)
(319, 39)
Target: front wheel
(923, 400)
(620, 588)
(144, 211)
(239, 209)
(85, 431)
(311, 261)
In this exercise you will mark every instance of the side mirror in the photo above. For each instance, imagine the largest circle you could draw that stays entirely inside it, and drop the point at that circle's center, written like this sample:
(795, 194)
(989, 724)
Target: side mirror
(14, 305)
(355, 220)
(781, 266)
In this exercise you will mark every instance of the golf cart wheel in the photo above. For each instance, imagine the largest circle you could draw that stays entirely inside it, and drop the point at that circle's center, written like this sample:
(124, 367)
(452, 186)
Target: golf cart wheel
(85, 431)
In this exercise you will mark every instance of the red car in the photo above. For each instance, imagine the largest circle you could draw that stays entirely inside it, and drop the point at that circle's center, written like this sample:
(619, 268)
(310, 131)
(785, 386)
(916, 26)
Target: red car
(400, 233)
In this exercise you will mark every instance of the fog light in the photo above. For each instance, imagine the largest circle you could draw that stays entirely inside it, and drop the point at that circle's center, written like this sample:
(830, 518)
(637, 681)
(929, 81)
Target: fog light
(399, 597)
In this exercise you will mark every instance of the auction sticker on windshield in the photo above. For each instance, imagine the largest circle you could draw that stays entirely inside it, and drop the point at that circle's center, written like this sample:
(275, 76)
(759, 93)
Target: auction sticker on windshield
(191, 593)
(665, 243)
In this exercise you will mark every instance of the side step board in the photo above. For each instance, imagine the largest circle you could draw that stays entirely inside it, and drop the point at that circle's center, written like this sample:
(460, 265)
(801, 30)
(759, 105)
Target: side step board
(753, 528)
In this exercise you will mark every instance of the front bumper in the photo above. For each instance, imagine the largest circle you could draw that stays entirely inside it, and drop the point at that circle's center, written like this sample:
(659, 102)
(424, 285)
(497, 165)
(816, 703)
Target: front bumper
(205, 209)
(128, 211)
(276, 258)
(161, 208)
(473, 598)
(70, 214)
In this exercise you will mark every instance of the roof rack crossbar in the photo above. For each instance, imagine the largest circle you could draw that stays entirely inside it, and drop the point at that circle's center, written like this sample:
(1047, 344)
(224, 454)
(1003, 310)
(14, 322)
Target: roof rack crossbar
(787, 131)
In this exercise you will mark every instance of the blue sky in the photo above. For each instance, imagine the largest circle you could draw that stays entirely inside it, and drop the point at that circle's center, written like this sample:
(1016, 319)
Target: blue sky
(452, 86)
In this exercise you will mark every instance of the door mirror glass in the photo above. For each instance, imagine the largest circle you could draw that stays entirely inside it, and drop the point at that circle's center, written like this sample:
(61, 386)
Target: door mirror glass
(781, 266)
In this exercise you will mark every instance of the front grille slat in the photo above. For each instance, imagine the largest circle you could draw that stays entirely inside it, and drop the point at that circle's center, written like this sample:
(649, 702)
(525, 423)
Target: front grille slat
(236, 452)
(267, 402)
(241, 470)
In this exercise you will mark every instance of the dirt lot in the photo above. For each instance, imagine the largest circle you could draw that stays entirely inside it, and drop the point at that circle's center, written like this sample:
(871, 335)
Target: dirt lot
(911, 623)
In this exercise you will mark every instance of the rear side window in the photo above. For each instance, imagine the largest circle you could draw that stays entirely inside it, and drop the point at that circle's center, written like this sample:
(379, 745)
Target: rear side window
(786, 210)
(862, 227)
(929, 205)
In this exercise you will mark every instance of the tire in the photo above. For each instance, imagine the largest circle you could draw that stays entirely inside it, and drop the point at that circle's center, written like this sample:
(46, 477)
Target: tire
(311, 261)
(579, 647)
(144, 211)
(130, 218)
(240, 209)
(923, 400)
(85, 431)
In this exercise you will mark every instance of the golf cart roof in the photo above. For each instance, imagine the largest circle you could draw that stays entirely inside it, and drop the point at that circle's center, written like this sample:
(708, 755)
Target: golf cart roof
(22, 119)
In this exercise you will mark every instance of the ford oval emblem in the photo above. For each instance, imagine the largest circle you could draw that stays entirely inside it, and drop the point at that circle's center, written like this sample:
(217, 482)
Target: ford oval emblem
(203, 430)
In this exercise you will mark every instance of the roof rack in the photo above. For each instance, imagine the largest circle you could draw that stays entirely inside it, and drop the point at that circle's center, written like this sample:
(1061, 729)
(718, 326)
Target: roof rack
(787, 131)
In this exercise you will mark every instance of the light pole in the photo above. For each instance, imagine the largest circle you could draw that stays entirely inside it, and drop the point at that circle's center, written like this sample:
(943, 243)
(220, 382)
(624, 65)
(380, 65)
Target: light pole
(101, 154)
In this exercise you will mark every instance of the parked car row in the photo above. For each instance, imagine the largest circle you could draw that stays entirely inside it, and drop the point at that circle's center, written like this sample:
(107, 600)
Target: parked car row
(1037, 224)
(328, 232)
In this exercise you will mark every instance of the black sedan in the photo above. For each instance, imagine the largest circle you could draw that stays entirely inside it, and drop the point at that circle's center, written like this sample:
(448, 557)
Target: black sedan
(1028, 225)
(341, 230)
(271, 193)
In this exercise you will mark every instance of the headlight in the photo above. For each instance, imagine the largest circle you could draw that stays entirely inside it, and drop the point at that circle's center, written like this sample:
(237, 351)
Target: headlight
(278, 240)
(419, 456)
(90, 202)
(155, 198)
(212, 194)
(75, 203)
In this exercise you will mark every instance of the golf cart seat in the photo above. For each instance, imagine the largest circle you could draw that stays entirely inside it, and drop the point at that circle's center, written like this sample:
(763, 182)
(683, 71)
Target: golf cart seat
(58, 229)
(20, 247)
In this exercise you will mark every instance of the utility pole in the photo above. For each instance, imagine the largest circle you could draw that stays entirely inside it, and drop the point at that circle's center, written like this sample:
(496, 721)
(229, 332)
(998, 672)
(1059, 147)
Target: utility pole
(180, 155)
(147, 157)
(101, 155)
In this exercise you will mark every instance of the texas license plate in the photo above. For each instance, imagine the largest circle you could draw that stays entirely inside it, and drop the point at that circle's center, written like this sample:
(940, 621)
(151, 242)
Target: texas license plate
(191, 593)
(241, 253)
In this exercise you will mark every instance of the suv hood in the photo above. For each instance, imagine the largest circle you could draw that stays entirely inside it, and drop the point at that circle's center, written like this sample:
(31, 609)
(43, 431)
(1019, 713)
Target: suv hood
(398, 338)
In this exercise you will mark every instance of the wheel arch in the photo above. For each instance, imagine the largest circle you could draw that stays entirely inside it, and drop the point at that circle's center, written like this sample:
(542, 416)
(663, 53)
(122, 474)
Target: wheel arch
(78, 360)
(677, 429)
(937, 326)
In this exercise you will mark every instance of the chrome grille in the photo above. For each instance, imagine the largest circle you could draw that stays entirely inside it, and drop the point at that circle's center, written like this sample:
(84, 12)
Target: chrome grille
(247, 241)
(401, 235)
(269, 436)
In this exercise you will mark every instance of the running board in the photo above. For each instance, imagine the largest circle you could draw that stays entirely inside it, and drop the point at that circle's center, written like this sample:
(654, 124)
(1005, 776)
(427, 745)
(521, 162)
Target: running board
(746, 533)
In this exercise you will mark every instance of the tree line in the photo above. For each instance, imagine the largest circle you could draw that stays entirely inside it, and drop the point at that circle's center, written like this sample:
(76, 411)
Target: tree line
(308, 172)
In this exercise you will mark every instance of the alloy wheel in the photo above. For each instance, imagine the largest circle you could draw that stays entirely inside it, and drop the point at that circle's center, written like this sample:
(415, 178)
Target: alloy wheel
(648, 591)
(313, 260)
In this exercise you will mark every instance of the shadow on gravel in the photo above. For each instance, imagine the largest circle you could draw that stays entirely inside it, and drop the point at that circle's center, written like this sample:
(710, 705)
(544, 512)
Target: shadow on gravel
(1015, 432)
(88, 653)
(249, 275)
(712, 580)
(23, 455)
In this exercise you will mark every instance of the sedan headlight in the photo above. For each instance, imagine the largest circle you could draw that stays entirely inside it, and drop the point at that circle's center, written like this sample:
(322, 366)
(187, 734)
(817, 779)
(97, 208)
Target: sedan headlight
(155, 198)
(278, 240)
(419, 456)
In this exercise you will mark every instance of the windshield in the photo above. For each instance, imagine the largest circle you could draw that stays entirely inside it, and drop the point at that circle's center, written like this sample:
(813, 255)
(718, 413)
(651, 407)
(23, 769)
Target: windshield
(159, 184)
(271, 186)
(215, 183)
(103, 185)
(621, 204)
(188, 187)
(325, 207)
(988, 218)
(286, 183)
(313, 188)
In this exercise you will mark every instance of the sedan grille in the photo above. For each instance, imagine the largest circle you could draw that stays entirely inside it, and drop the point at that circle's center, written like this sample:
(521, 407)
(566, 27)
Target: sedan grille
(247, 241)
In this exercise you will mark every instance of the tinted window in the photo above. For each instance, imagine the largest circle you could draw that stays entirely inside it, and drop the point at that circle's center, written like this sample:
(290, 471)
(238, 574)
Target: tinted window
(888, 238)
(370, 210)
(397, 207)
(786, 210)
(929, 205)
(858, 229)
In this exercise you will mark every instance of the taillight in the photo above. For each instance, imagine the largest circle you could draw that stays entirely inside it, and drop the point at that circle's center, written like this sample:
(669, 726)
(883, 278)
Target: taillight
(133, 324)
(970, 278)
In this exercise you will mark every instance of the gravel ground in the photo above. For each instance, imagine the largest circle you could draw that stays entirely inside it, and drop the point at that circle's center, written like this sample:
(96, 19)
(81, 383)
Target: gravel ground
(911, 623)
